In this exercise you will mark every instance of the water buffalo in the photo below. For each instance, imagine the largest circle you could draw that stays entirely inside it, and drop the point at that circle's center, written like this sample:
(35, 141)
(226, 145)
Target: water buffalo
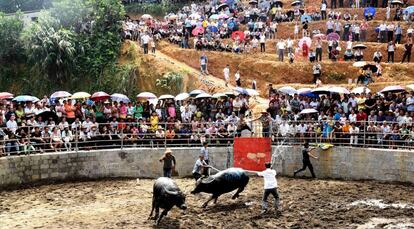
(165, 195)
(222, 182)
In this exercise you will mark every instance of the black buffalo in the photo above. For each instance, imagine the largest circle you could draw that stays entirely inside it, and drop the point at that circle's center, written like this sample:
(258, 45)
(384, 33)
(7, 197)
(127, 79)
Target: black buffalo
(166, 195)
(222, 182)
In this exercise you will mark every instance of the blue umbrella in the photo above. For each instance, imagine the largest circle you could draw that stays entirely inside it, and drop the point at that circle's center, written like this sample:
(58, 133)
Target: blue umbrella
(369, 10)
(212, 29)
(305, 17)
(25, 98)
(409, 10)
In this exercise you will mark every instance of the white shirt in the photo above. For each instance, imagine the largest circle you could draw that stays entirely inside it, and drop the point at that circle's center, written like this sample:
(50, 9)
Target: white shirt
(226, 72)
(12, 126)
(269, 176)
(198, 165)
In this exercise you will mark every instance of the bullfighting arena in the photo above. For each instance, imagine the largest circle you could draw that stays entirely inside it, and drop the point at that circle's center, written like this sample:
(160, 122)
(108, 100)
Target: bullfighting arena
(126, 204)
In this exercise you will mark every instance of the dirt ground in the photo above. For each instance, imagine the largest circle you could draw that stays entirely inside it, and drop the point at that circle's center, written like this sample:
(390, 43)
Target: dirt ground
(127, 203)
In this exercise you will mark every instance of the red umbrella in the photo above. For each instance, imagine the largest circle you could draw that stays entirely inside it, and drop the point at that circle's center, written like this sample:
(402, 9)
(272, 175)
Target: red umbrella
(236, 34)
(198, 30)
(6, 95)
(100, 95)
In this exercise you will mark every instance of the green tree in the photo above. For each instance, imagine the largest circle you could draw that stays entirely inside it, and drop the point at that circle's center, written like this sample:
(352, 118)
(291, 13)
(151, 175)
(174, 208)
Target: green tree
(171, 82)
(50, 49)
(10, 46)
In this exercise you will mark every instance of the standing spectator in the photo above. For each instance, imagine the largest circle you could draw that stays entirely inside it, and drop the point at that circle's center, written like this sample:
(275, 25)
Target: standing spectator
(226, 72)
(383, 32)
(364, 31)
(145, 39)
(407, 51)
(262, 39)
(391, 50)
(237, 78)
(280, 49)
(390, 34)
(319, 50)
(153, 45)
(316, 72)
(203, 63)
(204, 153)
(329, 26)
(333, 4)
(398, 33)
(169, 163)
(323, 10)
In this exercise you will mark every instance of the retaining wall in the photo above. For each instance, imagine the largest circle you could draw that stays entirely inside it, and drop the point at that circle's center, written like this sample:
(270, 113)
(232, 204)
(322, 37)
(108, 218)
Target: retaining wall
(337, 162)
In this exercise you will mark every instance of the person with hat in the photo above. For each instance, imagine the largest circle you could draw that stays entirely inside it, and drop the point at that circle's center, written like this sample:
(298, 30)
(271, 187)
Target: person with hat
(169, 163)
(306, 152)
(270, 187)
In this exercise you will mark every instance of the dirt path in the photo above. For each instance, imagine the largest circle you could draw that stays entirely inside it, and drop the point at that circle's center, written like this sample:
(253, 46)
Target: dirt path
(211, 83)
(126, 204)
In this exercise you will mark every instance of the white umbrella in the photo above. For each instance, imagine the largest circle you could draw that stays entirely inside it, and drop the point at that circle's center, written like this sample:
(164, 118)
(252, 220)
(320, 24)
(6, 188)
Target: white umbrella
(182, 96)
(410, 86)
(80, 95)
(196, 92)
(360, 90)
(359, 64)
(166, 97)
(321, 90)
(219, 95)
(252, 92)
(304, 90)
(339, 90)
(308, 111)
(288, 90)
(146, 95)
(396, 88)
(146, 17)
(60, 94)
(203, 96)
(120, 98)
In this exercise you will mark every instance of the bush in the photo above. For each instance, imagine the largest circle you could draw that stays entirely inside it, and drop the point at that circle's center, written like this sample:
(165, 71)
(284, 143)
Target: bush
(154, 9)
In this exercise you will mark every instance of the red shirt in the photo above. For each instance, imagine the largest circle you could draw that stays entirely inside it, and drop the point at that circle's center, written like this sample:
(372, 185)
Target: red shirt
(361, 116)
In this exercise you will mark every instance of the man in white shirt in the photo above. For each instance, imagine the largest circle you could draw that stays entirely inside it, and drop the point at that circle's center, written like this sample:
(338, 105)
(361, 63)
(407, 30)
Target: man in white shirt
(145, 40)
(12, 124)
(226, 72)
(281, 49)
(199, 166)
(262, 39)
(270, 187)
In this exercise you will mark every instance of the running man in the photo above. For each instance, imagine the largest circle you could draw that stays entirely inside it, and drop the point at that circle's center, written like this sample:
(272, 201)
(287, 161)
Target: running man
(306, 152)
(270, 187)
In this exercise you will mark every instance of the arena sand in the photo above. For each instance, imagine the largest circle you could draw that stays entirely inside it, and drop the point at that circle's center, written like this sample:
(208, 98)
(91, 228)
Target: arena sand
(127, 203)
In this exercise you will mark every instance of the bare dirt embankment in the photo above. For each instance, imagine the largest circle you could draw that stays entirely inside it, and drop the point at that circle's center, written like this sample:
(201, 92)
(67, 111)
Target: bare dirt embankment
(127, 204)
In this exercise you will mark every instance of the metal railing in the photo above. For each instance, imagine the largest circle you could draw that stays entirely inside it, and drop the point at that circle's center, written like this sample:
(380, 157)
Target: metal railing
(129, 135)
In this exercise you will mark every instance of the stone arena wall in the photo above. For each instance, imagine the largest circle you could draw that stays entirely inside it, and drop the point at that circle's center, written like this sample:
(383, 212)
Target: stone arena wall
(337, 163)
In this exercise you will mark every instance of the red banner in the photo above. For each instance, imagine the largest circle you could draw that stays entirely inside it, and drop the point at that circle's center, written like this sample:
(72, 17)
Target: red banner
(251, 153)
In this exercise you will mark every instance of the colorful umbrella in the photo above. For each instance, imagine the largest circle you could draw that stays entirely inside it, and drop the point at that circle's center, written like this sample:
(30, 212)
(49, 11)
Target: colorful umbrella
(182, 96)
(6, 95)
(288, 90)
(196, 92)
(212, 29)
(241, 90)
(146, 95)
(409, 10)
(81, 95)
(26, 98)
(203, 96)
(309, 111)
(197, 31)
(214, 17)
(305, 17)
(333, 37)
(223, 16)
(238, 34)
(162, 97)
(120, 98)
(395, 89)
(60, 94)
(319, 36)
(370, 10)
(360, 90)
(100, 95)
(306, 40)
